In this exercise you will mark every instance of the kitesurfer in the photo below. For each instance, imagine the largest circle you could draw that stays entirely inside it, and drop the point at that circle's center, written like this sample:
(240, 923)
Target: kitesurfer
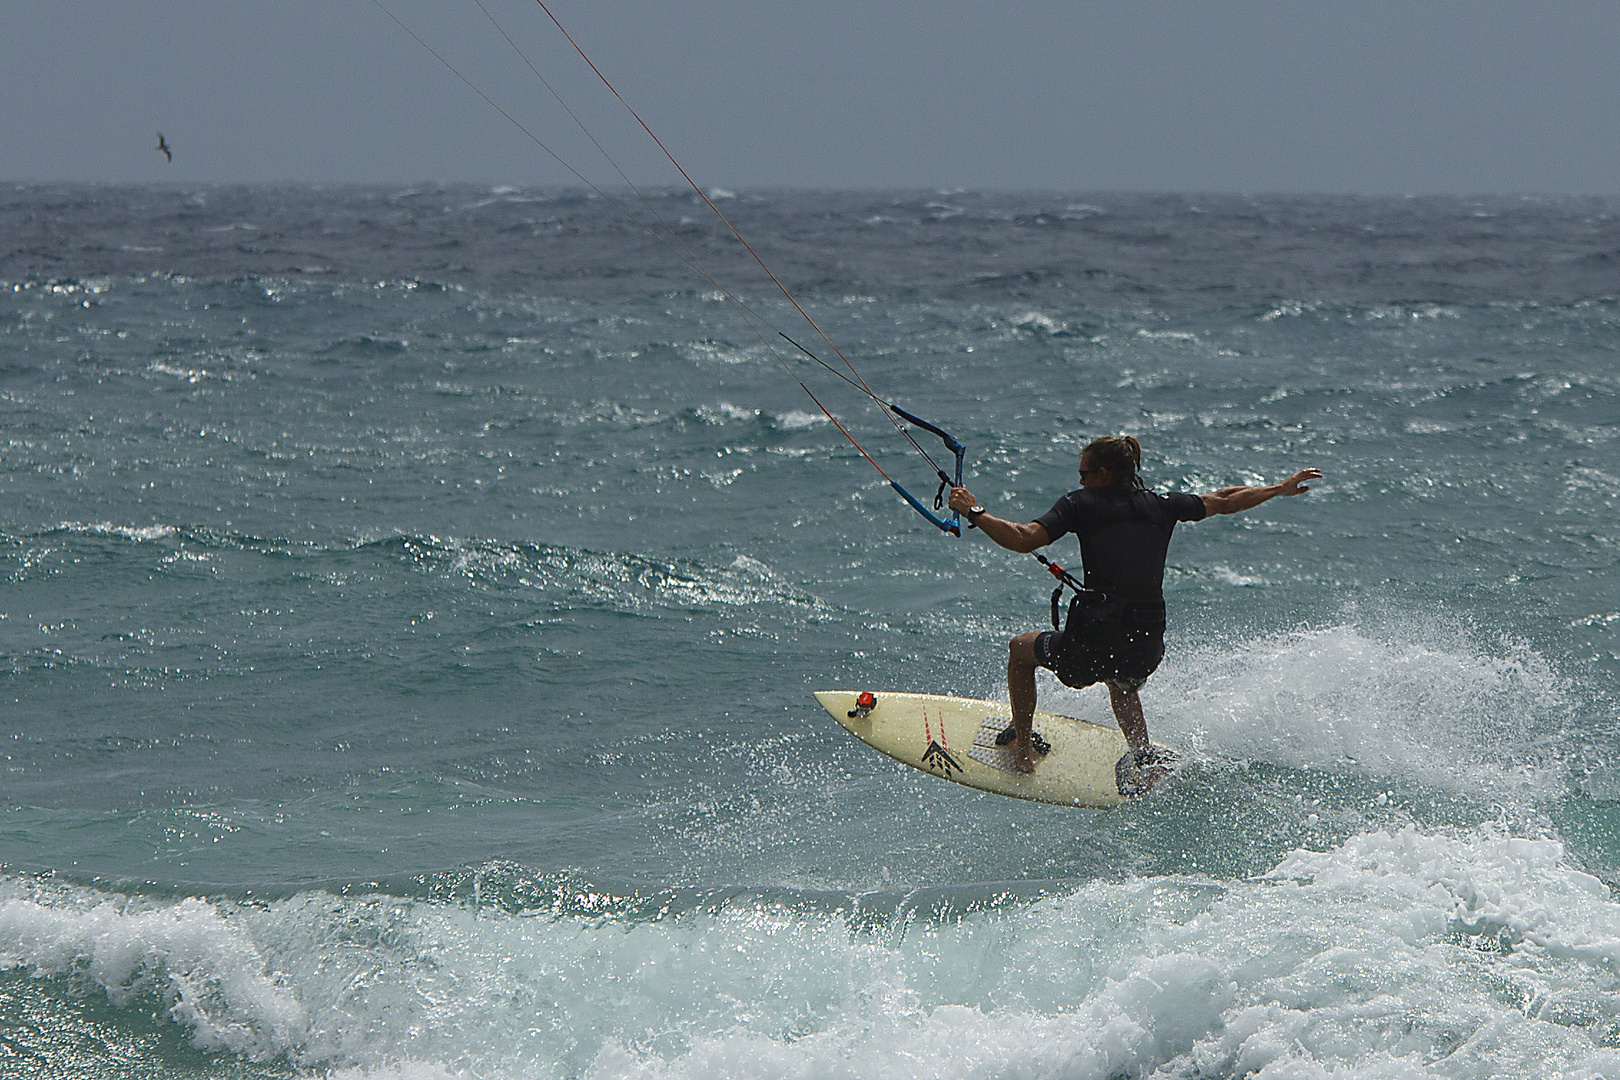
(1115, 630)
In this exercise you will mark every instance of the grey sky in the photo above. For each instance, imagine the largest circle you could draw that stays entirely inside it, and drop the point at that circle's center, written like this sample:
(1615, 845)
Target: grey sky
(1228, 95)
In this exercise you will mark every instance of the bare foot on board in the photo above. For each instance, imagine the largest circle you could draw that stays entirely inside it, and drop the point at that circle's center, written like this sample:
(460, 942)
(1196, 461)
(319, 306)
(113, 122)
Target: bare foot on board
(1024, 751)
(1023, 755)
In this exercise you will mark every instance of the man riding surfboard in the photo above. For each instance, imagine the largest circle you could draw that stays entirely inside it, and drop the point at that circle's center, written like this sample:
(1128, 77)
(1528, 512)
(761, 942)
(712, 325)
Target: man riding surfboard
(1115, 630)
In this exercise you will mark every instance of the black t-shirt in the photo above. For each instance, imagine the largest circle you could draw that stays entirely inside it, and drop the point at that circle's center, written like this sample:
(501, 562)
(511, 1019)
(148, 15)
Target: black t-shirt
(1124, 535)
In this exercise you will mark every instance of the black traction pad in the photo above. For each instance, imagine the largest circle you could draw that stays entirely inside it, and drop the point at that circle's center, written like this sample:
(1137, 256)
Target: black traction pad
(988, 749)
(1007, 734)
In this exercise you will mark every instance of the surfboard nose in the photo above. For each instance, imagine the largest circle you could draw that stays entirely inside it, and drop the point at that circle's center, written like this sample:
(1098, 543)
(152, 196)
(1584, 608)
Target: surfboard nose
(841, 704)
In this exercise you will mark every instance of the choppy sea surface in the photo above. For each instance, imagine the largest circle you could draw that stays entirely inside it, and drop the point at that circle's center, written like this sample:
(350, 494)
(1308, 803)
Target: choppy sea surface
(412, 599)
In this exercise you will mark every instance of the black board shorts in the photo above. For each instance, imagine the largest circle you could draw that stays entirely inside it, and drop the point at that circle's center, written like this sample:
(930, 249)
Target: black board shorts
(1101, 645)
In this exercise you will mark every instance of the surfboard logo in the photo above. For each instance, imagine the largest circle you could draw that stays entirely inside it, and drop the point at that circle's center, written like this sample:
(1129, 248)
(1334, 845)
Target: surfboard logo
(937, 755)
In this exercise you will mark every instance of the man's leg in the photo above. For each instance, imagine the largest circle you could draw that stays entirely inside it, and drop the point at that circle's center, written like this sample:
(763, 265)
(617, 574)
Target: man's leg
(1149, 768)
(1128, 712)
(1021, 667)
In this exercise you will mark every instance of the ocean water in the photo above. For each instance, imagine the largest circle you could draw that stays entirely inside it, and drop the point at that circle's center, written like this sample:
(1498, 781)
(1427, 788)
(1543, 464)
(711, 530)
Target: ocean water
(412, 600)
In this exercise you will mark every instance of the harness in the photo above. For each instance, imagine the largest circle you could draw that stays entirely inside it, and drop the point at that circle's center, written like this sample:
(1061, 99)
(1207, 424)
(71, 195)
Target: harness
(1083, 596)
(1129, 614)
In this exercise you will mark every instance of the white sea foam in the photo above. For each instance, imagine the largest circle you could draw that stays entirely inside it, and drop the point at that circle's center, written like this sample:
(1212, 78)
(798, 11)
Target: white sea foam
(625, 582)
(1468, 954)
(1227, 576)
(205, 970)
(1291, 309)
(725, 411)
(1035, 321)
(128, 532)
(1407, 701)
(1411, 702)
(798, 420)
(190, 375)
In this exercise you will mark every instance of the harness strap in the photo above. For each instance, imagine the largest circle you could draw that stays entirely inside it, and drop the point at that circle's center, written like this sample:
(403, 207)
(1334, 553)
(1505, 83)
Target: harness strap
(1066, 580)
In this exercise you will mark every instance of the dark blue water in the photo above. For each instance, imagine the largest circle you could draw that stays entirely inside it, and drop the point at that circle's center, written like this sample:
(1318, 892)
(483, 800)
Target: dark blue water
(413, 597)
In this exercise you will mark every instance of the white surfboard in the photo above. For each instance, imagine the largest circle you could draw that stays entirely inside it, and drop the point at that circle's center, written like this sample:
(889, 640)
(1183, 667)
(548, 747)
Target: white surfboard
(956, 738)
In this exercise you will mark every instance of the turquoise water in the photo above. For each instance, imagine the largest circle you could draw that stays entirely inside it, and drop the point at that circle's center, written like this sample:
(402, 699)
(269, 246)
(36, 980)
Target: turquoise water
(412, 602)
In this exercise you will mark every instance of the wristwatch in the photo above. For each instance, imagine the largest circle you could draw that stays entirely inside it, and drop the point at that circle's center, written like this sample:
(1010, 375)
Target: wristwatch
(973, 512)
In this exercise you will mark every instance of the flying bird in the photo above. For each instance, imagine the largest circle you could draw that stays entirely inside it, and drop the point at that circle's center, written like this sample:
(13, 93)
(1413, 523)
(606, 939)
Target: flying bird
(164, 146)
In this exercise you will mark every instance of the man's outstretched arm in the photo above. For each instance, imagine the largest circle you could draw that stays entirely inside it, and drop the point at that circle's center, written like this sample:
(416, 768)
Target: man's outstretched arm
(1009, 534)
(1232, 500)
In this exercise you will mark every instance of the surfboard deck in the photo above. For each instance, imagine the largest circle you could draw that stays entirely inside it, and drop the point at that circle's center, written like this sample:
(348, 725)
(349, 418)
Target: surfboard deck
(955, 737)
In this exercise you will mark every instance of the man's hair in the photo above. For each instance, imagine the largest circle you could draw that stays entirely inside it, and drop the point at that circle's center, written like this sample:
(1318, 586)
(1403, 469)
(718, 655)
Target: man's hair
(1121, 455)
